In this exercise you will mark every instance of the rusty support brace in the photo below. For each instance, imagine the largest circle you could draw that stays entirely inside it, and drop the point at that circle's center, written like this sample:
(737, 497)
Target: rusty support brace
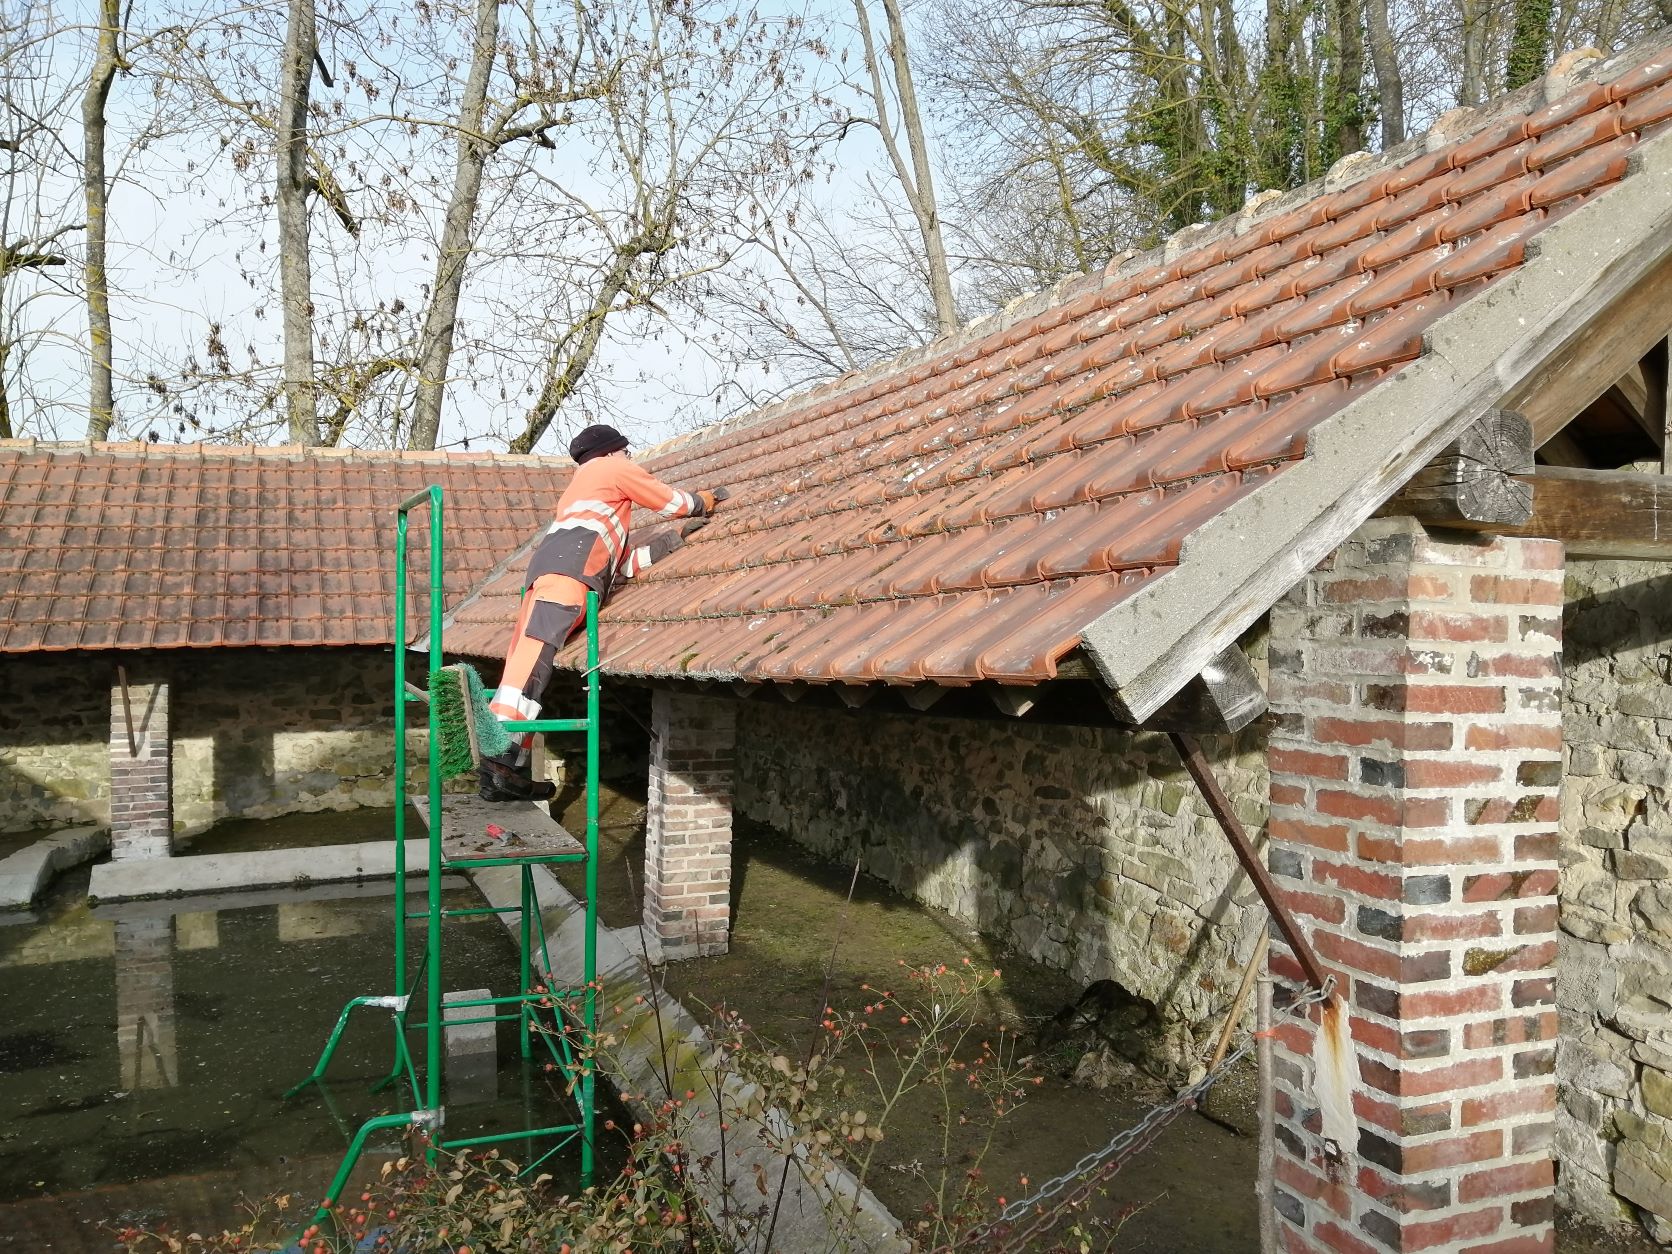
(1191, 754)
(127, 711)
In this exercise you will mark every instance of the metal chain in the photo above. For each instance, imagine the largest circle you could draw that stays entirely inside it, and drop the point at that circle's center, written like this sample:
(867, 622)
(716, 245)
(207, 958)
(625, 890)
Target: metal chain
(1099, 1164)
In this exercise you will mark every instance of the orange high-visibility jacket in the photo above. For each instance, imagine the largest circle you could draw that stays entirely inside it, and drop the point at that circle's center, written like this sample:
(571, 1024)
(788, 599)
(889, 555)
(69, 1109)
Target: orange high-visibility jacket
(588, 538)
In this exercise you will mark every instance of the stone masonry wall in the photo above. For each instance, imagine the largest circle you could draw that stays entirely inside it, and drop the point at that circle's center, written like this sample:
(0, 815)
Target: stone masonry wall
(1614, 985)
(257, 733)
(1089, 850)
(54, 741)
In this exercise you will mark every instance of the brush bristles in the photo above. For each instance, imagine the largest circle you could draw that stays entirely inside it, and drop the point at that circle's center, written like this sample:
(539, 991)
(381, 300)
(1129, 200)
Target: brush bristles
(467, 729)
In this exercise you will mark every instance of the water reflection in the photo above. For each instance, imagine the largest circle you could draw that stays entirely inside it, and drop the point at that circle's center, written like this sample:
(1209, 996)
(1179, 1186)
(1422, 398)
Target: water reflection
(145, 1028)
(145, 1048)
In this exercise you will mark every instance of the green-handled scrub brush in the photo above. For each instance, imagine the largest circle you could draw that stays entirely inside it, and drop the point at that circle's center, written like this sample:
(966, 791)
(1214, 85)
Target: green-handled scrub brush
(469, 731)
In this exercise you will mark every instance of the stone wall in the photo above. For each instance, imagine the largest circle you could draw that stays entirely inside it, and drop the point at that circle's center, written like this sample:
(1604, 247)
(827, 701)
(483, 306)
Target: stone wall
(1614, 986)
(257, 733)
(54, 734)
(1089, 850)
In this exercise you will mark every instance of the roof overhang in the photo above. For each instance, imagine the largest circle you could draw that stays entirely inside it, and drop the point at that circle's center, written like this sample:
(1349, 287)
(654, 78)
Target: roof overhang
(1235, 567)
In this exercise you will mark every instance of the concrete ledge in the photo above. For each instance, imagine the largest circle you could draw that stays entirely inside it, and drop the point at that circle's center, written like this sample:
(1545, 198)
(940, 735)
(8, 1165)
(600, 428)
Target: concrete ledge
(634, 1064)
(267, 868)
(25, 873)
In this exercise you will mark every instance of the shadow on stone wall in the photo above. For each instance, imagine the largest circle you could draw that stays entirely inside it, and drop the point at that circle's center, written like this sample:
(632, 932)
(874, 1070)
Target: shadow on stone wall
(54, 725)
(1085, 849)
(1630, 616)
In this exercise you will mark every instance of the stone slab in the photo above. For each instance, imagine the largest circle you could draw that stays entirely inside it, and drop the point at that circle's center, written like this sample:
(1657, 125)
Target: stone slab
(635, 1063)
(25, 873)
(267, 868)
(252, 898)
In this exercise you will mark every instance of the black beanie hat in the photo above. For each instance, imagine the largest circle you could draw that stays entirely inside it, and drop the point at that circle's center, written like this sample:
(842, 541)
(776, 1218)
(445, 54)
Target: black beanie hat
(596, 441)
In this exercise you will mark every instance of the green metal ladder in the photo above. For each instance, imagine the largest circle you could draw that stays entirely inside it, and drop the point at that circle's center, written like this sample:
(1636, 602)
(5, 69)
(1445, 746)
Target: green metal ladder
(576, 1007)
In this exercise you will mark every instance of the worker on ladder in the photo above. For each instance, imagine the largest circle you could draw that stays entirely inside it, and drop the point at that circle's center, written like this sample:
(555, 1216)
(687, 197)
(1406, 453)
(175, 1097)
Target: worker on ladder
(584, 549)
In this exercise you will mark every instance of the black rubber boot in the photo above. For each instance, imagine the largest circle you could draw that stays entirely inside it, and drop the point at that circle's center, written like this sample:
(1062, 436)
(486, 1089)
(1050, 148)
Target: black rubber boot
(504, 782)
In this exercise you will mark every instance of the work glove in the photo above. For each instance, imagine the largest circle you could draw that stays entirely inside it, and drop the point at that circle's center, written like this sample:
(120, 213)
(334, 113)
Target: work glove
(660, 545)
(712, 497)
(691, 528)
(643, 556)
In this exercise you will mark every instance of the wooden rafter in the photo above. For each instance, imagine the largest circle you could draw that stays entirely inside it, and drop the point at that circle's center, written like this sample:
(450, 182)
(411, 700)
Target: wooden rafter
(1614, 339)
(1595, 513)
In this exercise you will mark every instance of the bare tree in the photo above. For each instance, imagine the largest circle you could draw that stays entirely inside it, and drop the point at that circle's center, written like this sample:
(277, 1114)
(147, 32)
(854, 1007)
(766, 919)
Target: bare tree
(101, 404)
(916, 176)
(36, 206)
(1390, 79)
(705, 123)
(548, 84)
(291, 202)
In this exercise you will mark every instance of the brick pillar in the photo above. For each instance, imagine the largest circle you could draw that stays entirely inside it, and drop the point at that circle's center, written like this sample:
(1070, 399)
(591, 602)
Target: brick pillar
(687, 847)
(145, 1039)
(1416, 763)
(142, 783)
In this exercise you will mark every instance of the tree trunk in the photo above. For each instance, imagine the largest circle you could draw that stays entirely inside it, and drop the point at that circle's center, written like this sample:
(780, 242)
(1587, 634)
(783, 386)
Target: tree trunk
(1472, 88)
(101, 404)
(1346, 110)
(1529, 45)
(6, 432)
(295, 272)
(435, 341)
(1608, 23)
(572, 354)
(1390, 83)
(917, 181)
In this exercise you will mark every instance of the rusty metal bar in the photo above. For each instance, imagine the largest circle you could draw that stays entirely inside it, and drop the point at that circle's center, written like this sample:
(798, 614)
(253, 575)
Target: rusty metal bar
(127, 711)
(1191, 754)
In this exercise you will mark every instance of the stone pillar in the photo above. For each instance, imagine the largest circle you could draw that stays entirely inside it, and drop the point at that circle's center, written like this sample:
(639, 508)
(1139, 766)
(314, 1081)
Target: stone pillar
(1416, 763)
(687, 846)
(145, 1039)
(142, 782)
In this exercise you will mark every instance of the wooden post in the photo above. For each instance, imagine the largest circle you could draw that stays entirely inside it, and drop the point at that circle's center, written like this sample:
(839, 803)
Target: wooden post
(1471, 481)
(1657, 405)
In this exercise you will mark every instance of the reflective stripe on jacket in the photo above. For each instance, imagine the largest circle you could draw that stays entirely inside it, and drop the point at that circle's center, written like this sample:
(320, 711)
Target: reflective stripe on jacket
(588, 537)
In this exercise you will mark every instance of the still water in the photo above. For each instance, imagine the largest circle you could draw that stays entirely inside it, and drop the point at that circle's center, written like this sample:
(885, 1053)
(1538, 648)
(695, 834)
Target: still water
(145, 1049)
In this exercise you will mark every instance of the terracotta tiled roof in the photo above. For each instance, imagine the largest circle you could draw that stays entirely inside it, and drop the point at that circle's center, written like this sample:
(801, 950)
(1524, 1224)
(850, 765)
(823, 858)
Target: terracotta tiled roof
(136, 546)
(969, 513)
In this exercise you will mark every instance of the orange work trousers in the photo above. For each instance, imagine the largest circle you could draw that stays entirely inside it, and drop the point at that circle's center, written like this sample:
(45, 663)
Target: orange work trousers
(552, 607)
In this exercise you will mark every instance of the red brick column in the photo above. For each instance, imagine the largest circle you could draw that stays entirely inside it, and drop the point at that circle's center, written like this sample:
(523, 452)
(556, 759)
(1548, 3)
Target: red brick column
(687, 848)
(141, 772)
(1416, 764)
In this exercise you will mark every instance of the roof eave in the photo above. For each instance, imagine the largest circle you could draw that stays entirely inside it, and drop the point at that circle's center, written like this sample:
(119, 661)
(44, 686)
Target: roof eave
(1236, 567)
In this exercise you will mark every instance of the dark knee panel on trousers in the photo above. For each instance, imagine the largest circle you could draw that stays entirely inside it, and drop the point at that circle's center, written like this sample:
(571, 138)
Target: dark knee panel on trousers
(550, 624)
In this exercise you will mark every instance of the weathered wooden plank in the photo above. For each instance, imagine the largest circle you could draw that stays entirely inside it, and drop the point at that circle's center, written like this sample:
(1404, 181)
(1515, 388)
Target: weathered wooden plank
(529, 831)
(1225, 697)
(1656, 372)
(1474, 479)
(1618, 329)
(1598, 513)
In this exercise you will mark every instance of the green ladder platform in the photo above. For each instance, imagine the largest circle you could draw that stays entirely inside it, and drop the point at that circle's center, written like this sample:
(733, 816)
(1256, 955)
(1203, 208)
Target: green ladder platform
(460, 843)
